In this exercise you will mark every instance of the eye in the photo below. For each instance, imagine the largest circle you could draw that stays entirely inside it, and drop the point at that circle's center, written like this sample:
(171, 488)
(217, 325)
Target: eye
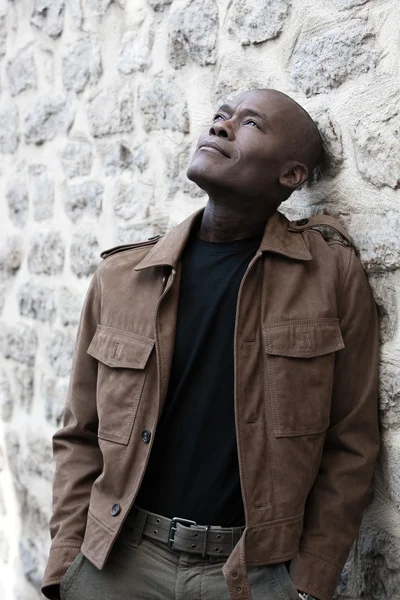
(218, 118)
(253, 123)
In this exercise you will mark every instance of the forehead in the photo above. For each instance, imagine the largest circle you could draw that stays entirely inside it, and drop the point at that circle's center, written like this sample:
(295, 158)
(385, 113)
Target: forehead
(274, 105)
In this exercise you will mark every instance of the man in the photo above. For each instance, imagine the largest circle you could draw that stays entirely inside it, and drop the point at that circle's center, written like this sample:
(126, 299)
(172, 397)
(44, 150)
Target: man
(220, 430)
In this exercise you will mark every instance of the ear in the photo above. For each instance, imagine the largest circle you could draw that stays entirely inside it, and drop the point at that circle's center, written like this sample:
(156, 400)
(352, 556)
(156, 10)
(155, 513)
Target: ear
(293, 175)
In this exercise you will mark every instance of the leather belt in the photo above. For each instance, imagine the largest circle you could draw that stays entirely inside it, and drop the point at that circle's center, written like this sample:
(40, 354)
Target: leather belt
(187, 536)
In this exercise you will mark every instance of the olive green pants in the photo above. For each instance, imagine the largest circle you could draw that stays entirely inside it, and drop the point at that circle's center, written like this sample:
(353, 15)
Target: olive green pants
(143, 569)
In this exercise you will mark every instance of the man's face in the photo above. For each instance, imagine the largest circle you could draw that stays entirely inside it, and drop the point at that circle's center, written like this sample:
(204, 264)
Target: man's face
(244, 150)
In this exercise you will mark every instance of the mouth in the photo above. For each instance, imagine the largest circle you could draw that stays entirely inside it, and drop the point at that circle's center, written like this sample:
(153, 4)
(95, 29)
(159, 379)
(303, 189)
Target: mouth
(213, 146)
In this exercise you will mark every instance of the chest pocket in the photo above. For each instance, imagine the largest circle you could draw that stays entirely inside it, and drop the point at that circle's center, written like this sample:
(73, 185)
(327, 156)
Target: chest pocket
(300, 356)
(122, 357)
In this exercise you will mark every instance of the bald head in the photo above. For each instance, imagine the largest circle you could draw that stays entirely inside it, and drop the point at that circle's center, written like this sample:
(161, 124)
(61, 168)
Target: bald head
(295, 124)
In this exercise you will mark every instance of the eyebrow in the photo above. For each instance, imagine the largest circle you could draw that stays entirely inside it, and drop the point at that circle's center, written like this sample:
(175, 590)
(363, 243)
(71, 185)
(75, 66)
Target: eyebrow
(247, 111)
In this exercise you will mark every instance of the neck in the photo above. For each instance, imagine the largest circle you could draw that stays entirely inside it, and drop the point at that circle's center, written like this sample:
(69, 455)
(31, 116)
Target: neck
(222, 223)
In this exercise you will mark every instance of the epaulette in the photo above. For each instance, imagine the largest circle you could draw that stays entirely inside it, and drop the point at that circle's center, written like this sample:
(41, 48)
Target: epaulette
(329, 227)
(124, 247)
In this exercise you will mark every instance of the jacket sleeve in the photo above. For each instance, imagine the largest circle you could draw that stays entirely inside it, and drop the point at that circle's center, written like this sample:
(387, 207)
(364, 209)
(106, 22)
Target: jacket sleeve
(76, 451)
(341, 491)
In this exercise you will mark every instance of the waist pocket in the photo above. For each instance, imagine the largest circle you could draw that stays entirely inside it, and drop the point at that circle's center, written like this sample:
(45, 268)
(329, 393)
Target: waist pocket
(300, 357)
(122, 356)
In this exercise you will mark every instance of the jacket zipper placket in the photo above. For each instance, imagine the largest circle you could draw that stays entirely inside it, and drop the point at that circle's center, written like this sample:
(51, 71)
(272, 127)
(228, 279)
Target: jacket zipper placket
(238, 441)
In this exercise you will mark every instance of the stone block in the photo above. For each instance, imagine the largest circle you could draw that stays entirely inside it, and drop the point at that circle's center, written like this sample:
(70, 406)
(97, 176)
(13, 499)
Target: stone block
(3, 35)
(59, 351)
(159, 5)
(193, 32)
(24, 380)
(76, 12)
(81, 64)
(42, 192)
(133, 199)
(390, 460)
(136, 47)
(36, 301)
(256, 21)
(163, 105)
(140, 158)
(345, 4)
(384, 289)
(77, 158)
(177, 164)
(98, 8)
(331, 135)
(84, 252)
(18, 202)
(69, 306)
(376, 237)
(6, 399)
(54, 393)
(83, 199)
(323, 61)
(377, 148)
(111, 112)
(10, 256)
(389, 394)
(48, 15)
(138, 232)
(51, 115)
(9, 135)
(46, 253)
(118, 158)
(20, 343)
(21, 71)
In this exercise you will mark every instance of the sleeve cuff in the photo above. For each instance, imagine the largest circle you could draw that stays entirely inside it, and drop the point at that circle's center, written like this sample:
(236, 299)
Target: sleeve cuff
(314, 575)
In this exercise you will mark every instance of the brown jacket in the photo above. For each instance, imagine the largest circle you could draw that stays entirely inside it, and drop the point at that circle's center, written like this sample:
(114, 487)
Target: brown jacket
(306, 364)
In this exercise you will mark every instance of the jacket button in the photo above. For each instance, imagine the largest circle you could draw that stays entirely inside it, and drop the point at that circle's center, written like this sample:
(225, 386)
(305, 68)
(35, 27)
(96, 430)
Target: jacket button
(146, 435)
(302, 222)
(116, 509)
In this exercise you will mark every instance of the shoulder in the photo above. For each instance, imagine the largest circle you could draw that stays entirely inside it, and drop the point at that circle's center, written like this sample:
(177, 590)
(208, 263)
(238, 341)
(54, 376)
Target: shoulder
(128, 247)
(330, 228)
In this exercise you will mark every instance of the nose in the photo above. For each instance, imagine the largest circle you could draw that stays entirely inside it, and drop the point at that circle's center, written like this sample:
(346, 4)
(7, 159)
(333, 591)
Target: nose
(221, 129)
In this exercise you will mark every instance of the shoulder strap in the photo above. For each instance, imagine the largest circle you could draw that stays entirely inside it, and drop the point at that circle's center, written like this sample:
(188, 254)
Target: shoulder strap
(122, 248)
(322, 223)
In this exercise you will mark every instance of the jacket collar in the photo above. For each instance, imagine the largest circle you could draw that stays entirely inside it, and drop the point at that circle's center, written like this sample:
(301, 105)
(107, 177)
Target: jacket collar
(276, 239)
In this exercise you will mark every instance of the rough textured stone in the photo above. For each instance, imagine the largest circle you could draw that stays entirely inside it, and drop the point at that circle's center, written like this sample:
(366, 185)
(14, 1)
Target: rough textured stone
(9, 135)
(133, 200)
(164, 105)
(47, 60)
(98, 8)
(51, 115)
(42, 192)
(81, 64)
(384, 289)
(111, 112)
(3, 35)
(6, 399)
(20, 343)
(77, 158)
(59, 351)
(39, 460)
(46, 253)
(10, 256)
(159, 4)
(343, 4)
(83, 199)
(177, 164)
(24, 380)
(18, 202)
(54, 393)
(136, 47)
(255, 21)
(326, 60)
(21, 71)
(389, 395)
(70, 305)
(390, 459)
(139, 232)
(140, 158)
(75, 9)
(36, 301)
(118, 158)
(377, 238)
(331, 136)
(191, 37)
(377, 149)
(48, 15)
(84, 252)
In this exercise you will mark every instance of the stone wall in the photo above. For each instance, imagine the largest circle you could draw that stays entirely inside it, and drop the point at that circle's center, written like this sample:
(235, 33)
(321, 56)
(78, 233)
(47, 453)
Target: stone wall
(101, 105)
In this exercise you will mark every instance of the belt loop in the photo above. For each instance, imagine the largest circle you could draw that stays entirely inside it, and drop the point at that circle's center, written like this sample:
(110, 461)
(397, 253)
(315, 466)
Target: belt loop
(138, 527)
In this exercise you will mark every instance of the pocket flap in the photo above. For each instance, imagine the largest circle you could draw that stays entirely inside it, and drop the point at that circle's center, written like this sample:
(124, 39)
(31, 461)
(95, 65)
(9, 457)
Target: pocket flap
(120, 348)
(303, 338)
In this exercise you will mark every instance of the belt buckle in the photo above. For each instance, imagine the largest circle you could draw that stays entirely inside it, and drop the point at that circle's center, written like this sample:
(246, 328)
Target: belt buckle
(172, 529)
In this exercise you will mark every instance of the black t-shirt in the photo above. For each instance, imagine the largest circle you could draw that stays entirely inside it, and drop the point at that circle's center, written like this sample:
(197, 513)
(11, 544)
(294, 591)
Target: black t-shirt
(193, 470)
